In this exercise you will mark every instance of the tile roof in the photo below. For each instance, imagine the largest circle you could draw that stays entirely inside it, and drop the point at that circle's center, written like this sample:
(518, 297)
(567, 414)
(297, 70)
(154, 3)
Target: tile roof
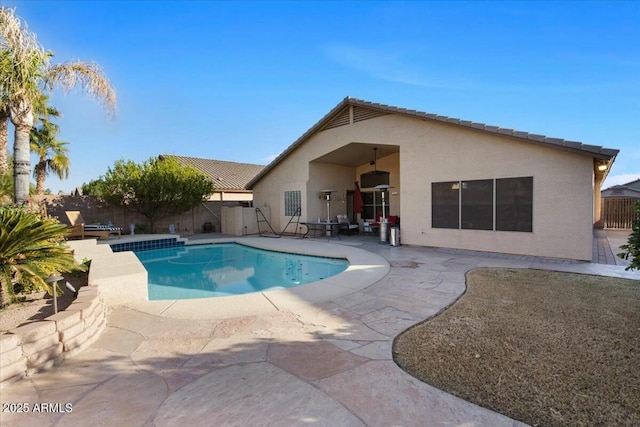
(558, 143)
(225, 175)
(632, 186)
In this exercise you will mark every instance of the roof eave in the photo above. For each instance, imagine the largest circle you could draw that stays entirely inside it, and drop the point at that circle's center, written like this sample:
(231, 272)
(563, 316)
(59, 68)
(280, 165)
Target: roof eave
(598, 152)
(327, 117)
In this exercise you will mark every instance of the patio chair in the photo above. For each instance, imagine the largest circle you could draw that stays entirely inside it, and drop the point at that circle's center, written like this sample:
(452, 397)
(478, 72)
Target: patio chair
(392, 220)
(78, 228)
(347, 226)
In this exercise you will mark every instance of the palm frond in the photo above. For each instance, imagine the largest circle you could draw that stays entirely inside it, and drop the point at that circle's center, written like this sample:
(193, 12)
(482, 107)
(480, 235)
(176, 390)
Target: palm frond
(31, 249)
(86, 75)
(21, 62)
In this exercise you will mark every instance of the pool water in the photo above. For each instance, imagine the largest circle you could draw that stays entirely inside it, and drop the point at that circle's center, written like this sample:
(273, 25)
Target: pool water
(202, 271)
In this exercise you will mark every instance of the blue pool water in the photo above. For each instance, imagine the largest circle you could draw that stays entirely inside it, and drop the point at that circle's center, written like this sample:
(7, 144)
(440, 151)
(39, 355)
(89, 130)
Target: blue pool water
(201, 271)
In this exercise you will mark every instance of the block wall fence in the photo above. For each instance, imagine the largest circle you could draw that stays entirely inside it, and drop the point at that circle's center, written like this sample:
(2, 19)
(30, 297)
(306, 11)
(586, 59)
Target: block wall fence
(96, 211)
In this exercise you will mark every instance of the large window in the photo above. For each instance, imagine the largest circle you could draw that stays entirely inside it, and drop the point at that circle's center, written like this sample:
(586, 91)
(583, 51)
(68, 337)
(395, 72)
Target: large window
(471, 205)
(292, 203)
(514, 204)
(445, 204)
(373, 204)
(477, 205)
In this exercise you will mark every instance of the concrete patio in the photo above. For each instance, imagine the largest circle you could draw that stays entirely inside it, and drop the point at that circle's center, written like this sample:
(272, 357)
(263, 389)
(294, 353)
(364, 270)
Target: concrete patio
(323, 363)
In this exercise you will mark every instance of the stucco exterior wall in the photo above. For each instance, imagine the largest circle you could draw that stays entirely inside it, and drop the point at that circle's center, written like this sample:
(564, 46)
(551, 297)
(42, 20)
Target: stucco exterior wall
(563, 182)
(231, 196)
(324, 176)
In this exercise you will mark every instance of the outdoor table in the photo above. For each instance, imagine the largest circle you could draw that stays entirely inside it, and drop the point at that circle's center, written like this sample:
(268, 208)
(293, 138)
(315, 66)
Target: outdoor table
(328, 228)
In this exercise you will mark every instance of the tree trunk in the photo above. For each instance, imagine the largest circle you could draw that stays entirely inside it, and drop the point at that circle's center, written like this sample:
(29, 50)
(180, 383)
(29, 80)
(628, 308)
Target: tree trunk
(40, 176)
(21, 163)
(4, 139)
(5, 295)
(23, 122)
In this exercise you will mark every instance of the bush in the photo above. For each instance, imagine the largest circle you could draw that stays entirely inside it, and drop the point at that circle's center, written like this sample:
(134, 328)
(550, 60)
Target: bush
(156, 188)
(632, 248)
(31, 249)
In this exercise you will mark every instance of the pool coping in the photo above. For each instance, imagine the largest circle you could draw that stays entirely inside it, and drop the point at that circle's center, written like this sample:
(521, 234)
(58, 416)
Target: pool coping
(123, 280)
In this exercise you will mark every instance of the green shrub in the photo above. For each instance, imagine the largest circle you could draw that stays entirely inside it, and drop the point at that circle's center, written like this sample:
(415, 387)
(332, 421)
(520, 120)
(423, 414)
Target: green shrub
(31, 249)
(632, 248)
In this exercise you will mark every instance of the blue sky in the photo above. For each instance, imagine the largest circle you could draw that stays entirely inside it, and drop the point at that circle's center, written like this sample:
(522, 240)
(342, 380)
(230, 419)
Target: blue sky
(240, 81)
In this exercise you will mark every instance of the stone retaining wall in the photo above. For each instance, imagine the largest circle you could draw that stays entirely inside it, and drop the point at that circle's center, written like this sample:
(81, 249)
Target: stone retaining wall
(39, 345)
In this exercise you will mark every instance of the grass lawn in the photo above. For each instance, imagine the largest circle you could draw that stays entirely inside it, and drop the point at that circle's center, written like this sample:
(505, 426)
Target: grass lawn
(545, 348)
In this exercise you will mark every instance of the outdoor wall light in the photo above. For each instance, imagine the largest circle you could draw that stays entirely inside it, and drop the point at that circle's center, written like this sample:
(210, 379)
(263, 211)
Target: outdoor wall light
(602, 167)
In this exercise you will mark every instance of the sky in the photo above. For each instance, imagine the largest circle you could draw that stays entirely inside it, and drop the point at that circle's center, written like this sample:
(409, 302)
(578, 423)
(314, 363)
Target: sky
(241, 81)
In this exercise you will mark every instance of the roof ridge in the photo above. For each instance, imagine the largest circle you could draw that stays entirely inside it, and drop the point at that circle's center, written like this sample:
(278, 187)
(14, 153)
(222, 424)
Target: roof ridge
(211, 160)
(594, 149)
(558, 143)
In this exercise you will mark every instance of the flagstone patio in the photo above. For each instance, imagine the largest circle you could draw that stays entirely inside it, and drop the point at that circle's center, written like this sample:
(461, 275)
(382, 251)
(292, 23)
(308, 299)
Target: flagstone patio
(321, 362)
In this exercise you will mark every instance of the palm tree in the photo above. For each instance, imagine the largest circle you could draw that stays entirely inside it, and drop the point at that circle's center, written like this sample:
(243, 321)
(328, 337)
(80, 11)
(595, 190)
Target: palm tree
(52, 153)
(4, 134)
(6, 183)
(31, 249)
(4, 115)
(25, 71)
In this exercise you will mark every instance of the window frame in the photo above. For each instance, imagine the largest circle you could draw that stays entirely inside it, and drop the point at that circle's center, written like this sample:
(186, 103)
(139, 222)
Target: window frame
(521, 204)
(292, 202)
(443, 217)
(477, 204)
(494, 205)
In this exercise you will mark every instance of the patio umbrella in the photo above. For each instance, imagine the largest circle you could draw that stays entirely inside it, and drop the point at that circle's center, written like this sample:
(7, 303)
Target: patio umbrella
(358, 203)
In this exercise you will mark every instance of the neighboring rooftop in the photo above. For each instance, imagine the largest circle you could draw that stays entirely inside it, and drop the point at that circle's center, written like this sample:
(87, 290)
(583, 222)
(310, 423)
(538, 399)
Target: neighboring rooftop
(630, 189)
(225, 175)
(337, 117)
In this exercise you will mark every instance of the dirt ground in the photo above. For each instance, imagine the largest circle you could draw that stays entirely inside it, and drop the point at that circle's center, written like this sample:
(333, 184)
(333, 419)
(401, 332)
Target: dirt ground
(30, 311)
(545, 348)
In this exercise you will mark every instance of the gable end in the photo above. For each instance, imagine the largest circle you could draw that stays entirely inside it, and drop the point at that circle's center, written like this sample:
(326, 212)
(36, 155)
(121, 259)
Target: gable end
(351, 114)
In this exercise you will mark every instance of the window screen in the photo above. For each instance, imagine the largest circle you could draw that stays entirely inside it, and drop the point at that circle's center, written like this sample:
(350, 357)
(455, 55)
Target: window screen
(477, 205)
(514, 204)
(445, 204)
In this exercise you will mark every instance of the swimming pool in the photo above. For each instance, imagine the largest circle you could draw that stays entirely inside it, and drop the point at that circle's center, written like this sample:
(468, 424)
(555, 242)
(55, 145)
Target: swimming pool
(222, 269)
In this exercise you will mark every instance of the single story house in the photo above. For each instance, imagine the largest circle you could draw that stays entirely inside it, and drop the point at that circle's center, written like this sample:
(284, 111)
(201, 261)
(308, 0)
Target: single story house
(629, 190)
(453, 183)
(229, 178)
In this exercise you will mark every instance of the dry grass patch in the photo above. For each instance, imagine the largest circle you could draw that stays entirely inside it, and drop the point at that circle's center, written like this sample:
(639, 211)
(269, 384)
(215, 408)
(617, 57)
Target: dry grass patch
(545, 348)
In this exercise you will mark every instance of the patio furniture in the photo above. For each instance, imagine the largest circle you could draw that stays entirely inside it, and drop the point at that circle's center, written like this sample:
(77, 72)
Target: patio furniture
(376, 226)
(78, 228)
(391, 221)
(327, 228)
(347, 226)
